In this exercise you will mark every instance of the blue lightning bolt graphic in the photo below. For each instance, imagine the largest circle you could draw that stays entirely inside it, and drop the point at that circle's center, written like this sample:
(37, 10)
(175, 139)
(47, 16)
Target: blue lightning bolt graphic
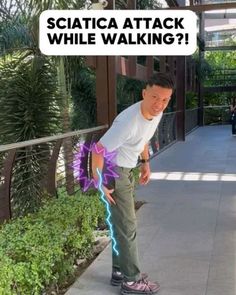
(108, 213)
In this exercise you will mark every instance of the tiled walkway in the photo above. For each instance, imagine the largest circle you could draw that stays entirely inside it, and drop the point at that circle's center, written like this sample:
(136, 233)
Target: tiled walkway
(187, 230)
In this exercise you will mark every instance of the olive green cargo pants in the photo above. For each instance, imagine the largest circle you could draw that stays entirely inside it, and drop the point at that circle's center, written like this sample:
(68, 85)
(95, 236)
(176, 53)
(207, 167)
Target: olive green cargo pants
(124, 226)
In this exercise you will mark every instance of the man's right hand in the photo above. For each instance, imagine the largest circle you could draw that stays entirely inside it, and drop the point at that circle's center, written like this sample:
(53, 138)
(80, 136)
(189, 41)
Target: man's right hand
(97, 165)
(108, 193)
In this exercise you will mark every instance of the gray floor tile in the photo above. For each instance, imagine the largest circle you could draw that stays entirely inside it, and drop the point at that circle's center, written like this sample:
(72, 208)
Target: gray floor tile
(187, 229)
(222, 275)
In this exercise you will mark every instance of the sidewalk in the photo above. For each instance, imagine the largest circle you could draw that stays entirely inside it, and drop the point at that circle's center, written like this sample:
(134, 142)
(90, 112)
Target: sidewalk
(187, 230)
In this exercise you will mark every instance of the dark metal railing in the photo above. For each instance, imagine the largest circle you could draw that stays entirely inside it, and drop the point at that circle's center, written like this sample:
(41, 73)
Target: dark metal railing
(42, 167)
(214, 115)
(31, 169)
(191, 119)
(165, 133)
(217, 1)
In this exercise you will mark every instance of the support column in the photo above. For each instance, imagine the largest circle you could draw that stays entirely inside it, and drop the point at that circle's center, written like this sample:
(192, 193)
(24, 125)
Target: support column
(112, 99)
(5, 186)
(191, 75)
(150, 66)
(171, 62)
(106, 85)
(132, 60)
(106, 89)
(131, 4)
(111, 4)
(132, 66)
(200, 82)
(180, 96)
(102, 90)
(162, 63)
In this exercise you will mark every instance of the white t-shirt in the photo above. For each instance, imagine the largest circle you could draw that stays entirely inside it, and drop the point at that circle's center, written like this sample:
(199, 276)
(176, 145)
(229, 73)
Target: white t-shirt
(128, 135)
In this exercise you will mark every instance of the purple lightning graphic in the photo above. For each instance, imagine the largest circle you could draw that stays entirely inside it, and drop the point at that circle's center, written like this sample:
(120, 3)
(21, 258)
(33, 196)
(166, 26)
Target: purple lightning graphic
(82, 165)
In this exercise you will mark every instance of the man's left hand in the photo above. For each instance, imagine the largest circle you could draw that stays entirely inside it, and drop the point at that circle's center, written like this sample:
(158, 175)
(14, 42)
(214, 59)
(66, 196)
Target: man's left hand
(145, 174)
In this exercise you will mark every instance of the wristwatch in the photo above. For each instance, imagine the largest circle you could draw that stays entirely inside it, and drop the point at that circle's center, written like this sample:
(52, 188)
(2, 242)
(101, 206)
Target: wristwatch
(144, 161)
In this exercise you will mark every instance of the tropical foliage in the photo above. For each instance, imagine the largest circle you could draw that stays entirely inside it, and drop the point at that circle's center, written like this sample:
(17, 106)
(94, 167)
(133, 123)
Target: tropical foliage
(141, 4)
(148, 4)
(84, 99)
(221, 59)
(203, 68)
(218, 68)
(129, 91)
(29, 109)
(191, 100)
(29, 105)
(222, 73)
(35, 94)
(38, 251)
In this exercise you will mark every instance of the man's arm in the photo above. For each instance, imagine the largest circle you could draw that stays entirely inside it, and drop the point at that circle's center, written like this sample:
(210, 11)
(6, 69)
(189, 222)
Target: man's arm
(145, 153)
(145, 167)
(98, 163)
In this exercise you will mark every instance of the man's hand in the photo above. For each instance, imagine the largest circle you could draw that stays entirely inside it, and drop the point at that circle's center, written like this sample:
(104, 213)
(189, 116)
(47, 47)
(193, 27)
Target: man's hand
(106, 190)
(97, 166)
(145, 174)
(108, 193)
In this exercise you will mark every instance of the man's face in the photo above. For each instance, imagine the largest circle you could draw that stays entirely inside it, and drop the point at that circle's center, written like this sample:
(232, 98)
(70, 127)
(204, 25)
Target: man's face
(156, 99)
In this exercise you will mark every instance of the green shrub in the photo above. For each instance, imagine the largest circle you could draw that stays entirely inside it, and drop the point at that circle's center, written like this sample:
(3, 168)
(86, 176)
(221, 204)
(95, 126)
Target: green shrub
(39, 250)
(217, 116)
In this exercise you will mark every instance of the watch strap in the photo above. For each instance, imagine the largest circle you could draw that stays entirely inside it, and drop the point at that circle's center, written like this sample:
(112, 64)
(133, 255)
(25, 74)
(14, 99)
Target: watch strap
(144, 161)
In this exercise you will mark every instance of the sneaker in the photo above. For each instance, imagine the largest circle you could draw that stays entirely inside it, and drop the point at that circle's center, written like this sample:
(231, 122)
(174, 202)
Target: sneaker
(141, 286)
(117, 278)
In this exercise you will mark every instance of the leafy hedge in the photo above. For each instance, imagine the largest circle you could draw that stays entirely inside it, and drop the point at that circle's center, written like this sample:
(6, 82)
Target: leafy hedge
(39, 250)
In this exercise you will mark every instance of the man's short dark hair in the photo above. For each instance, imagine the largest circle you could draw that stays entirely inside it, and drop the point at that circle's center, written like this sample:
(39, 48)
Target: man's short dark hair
(164, 80)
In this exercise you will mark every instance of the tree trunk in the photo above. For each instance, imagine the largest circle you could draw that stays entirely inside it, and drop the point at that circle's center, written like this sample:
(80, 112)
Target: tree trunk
(67, 143)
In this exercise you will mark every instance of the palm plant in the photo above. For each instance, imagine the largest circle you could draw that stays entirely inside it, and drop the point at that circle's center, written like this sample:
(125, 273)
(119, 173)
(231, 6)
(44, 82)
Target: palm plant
(141, 4)
(148, 4)
(84, 99)
(129, 91)
(31, 82)
(28, 110)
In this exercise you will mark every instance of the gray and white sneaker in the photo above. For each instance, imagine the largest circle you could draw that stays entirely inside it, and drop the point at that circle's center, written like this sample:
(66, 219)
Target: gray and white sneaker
(117, 278)
(141, 286)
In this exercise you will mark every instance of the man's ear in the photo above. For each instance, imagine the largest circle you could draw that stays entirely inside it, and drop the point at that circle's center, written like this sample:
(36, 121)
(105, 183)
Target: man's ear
(143, 93)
